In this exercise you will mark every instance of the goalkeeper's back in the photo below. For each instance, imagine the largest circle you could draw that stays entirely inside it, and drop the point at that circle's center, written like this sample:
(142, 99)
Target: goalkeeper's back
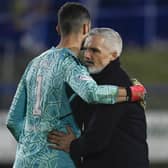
(39, 106)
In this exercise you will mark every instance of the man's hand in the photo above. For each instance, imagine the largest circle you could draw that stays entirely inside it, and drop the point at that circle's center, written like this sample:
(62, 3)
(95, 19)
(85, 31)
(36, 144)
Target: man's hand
(60, 140)
(143, 97)
(136, 92)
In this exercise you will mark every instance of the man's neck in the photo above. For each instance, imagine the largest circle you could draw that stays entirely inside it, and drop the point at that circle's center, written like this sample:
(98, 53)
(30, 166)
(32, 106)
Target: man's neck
(71, 42)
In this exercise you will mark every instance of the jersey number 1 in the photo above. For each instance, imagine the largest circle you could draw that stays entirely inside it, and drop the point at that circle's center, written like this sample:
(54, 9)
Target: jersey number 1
(37, 108)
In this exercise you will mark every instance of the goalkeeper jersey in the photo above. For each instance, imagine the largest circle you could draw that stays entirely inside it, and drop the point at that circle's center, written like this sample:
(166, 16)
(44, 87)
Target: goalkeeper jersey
(41, 104)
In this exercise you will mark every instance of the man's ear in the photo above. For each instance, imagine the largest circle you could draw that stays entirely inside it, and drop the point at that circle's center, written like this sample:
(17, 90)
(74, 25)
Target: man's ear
(85, 28)
(114, 55)
(58, 29)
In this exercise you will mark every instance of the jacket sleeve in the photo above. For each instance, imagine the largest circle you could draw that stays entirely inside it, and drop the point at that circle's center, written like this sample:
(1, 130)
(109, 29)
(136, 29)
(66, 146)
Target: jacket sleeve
(82, 83)
(15, 117)
(99, 132)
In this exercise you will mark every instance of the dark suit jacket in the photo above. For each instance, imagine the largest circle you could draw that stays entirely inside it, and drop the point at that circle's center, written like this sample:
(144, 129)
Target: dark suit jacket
(114, 135)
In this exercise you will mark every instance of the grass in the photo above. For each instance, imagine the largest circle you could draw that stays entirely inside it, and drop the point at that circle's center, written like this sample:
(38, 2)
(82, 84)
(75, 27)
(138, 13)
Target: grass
(149, 66)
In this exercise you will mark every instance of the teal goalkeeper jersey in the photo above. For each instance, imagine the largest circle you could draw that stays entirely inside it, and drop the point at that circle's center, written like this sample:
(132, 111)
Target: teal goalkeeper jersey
(41, 105)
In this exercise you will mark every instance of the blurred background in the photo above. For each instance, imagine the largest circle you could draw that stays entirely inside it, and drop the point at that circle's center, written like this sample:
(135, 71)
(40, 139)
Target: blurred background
(27, 28)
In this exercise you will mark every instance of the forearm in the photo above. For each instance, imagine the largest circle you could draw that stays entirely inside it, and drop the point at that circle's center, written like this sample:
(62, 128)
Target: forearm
(17, 111)
(131, 94)
(84, 85)
(122, 94)
(121, 99)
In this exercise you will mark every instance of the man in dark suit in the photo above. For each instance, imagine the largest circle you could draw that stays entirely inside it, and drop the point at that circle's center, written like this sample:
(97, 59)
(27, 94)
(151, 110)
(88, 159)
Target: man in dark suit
(114, 136)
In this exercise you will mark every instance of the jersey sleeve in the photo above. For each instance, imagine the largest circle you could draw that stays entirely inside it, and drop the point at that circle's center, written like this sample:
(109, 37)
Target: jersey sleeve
(17, 111)
(79, 79)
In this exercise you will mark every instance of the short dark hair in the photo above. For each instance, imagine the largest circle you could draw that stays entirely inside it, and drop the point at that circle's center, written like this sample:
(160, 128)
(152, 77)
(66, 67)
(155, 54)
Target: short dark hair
(71, 16)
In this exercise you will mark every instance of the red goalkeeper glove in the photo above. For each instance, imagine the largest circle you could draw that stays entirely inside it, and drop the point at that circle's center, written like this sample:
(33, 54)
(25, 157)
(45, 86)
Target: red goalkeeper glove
(136, 93)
